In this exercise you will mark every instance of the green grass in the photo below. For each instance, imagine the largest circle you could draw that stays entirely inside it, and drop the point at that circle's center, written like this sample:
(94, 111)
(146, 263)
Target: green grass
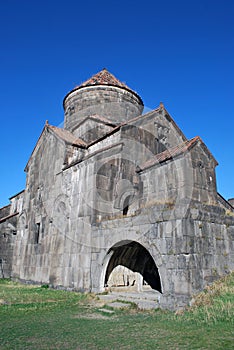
(32, 317)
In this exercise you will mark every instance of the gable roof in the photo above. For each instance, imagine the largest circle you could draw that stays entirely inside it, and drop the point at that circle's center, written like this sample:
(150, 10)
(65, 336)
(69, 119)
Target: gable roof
(103, 78)
(63, 134)
(173, 152)
(67, 136)
(158, 110)
(8, 217)
(116, 127)
(225, 202)
(17, 194)
(98, 118)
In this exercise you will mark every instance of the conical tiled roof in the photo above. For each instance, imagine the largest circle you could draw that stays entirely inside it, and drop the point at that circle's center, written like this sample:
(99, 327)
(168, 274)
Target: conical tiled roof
(104, 78)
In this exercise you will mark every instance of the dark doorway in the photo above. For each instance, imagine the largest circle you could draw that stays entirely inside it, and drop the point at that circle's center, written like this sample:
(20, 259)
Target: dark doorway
(136, 258)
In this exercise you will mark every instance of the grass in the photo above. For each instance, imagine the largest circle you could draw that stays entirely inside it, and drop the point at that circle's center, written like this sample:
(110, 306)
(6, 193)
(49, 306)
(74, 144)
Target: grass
(32, 317)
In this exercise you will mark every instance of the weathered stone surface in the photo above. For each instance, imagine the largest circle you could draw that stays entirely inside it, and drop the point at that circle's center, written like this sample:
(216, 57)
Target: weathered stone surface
(117, 188)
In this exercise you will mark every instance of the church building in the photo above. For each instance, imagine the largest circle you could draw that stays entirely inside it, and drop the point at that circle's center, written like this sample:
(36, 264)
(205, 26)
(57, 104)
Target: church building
(117, 198)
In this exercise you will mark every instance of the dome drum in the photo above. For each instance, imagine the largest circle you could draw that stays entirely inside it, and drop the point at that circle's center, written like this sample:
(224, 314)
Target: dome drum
(116, 102)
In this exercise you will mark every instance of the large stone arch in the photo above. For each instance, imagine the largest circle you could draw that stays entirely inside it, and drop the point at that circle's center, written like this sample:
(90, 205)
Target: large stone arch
(134, 256)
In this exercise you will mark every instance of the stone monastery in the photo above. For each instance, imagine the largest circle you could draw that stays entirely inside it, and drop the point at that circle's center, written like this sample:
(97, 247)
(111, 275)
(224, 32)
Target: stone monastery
(116, 198)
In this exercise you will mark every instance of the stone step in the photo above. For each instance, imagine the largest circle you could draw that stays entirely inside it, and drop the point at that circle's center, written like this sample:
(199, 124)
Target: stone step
(149, 295)
(119, 305)
(144, 300)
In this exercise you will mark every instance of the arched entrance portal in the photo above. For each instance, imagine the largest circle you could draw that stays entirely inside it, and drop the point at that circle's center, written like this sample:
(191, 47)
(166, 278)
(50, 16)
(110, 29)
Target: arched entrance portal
(136, 258)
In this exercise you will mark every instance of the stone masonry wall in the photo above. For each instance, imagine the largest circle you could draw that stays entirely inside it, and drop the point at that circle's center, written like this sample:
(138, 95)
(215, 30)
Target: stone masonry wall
(54, 246)
(189, 253)
(115, 104)
(72, 220)
(7, 242)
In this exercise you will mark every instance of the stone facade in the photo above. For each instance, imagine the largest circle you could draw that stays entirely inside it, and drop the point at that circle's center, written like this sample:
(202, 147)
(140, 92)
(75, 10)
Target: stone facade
(118, 193)
(9, 226)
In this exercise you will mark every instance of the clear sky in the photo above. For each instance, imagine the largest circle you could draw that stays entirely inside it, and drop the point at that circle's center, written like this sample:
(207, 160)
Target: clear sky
(177, 52)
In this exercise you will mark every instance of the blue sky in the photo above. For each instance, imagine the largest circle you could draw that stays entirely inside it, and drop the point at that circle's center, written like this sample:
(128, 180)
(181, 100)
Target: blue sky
(177, 52)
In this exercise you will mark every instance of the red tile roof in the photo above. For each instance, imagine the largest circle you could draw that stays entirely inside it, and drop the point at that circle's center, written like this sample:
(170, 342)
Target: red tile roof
(103, 78)
(171, 153)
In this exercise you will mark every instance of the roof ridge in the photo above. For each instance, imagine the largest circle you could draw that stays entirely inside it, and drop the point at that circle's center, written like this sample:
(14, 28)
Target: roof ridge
(8, 217)
(170, 153)
(66, 135)
(142, 116)
(101, 119)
